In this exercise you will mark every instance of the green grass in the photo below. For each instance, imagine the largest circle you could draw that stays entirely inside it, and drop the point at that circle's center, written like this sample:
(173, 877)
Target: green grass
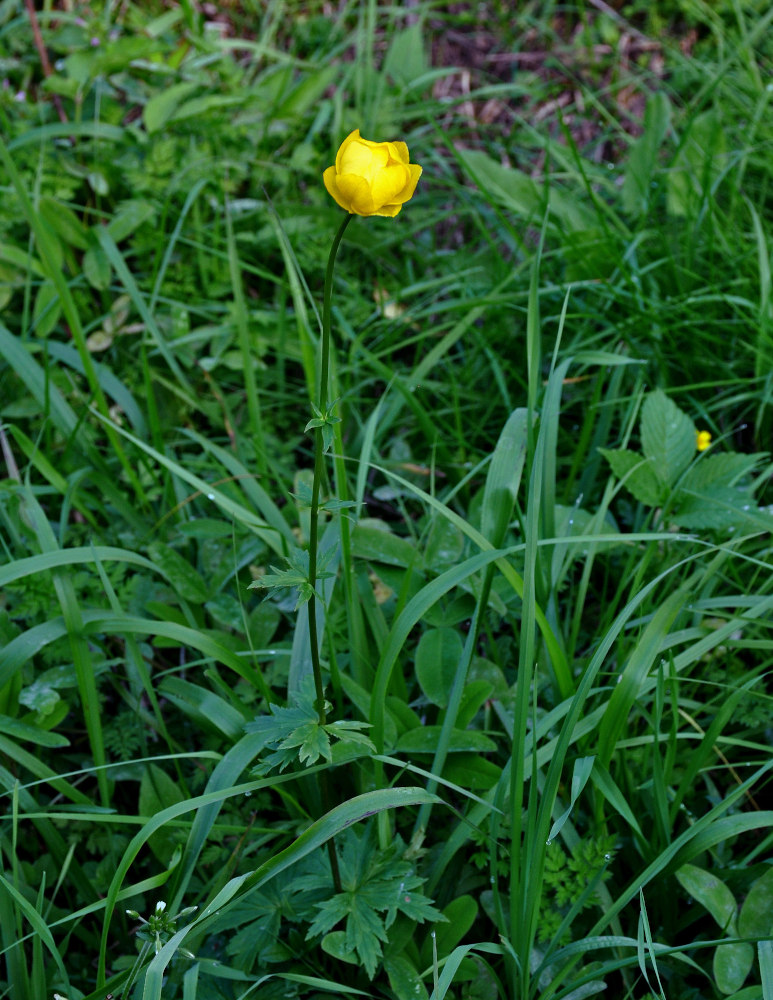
(543, 769)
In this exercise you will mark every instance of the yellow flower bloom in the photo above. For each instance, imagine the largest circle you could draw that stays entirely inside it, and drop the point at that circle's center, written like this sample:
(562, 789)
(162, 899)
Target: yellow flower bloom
(702, 440)
(372, 178)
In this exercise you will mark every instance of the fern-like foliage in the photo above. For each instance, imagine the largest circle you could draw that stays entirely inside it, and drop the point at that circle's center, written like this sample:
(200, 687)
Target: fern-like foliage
(125, 735)
(568, 875)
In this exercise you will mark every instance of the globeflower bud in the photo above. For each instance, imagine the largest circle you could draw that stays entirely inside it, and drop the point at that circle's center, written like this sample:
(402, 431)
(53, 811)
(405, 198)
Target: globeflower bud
(372, 178)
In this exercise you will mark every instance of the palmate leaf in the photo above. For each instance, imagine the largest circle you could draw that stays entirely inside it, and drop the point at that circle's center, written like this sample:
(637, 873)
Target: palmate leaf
(412, 904)
(329, 913)
(364, 928)
(296, 576)
(348, 732)
(287, 729)
(312, 742)
(332, 505)
(295, 733)
(364, 933)
(377, 886)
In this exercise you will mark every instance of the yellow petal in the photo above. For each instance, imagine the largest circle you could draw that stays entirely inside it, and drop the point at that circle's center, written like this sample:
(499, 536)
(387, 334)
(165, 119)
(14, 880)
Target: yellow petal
(364, 159)
(355, 191)
(399, 151)
(331, 183)
(388, 210)
(352, 137)
(414, 173)
(388, 183)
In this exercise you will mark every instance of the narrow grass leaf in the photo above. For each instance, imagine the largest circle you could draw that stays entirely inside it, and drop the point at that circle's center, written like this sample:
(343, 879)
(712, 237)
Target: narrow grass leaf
(581, 772)
(631, 679)
(455, 959)
(602, 779)
(240, 513)
(503, 478)
(38, 383)
(126, 278)
(38, 924)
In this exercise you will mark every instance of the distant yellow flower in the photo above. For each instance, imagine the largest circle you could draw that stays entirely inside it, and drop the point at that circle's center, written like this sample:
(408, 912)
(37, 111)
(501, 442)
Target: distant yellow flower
(372, 178)
(702, 440)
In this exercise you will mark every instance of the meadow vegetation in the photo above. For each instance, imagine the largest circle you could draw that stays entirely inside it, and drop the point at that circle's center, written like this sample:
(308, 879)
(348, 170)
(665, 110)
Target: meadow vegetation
(543, 766)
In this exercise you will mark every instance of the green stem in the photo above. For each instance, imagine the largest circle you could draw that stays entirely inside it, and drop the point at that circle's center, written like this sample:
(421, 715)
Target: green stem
(327, 301)
(319, 465)
(319, 471)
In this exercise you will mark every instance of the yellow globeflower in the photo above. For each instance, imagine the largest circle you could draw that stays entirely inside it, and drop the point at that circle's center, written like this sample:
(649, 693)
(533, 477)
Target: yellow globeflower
(372, 178)
(702, 440)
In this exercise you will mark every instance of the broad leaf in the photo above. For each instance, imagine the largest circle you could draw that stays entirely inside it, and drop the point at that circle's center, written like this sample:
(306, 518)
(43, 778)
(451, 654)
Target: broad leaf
(713, 508)
(702, 158)
(667, 436)
(160, 107)
(637, 474)
(710, 892)
(460, 914)
(437, 658)
(158, 792)
(756, 916)
(723, 468)
(503, 479)
(404, 978)
(732, 964)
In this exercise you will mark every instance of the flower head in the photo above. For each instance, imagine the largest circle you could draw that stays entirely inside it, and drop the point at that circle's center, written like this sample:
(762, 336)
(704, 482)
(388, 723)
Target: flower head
(372, 178)
(702, 440)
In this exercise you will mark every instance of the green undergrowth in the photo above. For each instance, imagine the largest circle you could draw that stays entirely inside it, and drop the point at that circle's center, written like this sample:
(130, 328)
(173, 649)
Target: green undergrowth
(543, 767)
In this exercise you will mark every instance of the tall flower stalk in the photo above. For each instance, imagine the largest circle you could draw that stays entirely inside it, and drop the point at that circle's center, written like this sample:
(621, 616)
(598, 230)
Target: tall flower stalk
(368, 178)
(319, 423)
